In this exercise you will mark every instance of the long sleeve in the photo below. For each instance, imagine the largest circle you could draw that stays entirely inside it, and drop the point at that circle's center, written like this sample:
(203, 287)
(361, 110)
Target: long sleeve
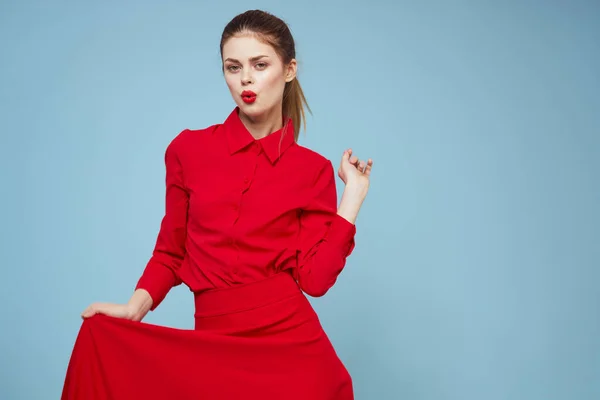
(161, 272)
(325, 238)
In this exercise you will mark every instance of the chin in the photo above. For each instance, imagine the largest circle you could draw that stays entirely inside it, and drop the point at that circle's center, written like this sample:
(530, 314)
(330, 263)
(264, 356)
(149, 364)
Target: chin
(252, 110)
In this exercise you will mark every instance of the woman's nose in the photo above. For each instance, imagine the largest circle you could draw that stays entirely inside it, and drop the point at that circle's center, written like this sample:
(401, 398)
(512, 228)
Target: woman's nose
(247, 78)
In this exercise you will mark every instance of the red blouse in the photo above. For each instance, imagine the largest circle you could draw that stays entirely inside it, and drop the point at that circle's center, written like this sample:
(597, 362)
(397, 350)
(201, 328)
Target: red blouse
(240, 209)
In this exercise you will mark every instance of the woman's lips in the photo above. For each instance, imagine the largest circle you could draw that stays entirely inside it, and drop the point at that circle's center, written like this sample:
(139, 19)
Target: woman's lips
(248, 96)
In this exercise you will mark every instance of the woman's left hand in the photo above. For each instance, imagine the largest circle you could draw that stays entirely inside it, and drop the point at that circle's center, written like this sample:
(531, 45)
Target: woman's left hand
(355, 172)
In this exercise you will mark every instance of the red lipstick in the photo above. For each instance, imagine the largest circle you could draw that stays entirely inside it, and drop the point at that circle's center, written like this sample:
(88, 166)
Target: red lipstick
(248, 96)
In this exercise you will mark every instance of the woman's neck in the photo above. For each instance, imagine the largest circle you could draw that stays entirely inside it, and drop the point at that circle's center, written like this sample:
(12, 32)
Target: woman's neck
(264, 125)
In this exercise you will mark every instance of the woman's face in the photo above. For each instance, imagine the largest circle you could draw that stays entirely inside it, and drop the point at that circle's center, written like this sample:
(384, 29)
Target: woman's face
(255, 75)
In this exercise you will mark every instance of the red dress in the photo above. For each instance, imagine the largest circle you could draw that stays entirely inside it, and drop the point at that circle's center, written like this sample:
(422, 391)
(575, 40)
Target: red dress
(250, 226)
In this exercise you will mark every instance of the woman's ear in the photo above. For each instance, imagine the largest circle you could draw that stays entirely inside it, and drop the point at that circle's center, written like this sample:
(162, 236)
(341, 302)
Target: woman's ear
(291, 70)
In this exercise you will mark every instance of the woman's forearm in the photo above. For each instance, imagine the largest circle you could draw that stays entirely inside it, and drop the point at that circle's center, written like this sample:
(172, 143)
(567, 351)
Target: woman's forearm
(139, 304)
(352, 200)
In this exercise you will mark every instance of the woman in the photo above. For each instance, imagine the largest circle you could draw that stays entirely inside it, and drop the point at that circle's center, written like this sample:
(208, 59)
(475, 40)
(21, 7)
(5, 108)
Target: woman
(251, 223)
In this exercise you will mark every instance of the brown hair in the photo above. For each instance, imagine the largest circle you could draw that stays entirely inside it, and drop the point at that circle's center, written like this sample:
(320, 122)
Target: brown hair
(275, 32)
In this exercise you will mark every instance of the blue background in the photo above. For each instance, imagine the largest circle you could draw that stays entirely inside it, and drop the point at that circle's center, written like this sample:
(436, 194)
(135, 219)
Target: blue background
(476, 270)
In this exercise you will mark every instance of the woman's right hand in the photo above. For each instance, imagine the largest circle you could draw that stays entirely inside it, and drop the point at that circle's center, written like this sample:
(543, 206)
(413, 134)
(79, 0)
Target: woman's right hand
(135, 309)
(113, 310)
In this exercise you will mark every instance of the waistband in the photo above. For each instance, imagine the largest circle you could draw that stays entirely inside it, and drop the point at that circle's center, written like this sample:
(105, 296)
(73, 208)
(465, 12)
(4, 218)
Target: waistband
(246, 296)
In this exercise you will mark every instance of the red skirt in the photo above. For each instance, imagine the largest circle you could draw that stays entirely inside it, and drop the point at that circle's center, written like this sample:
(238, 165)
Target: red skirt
(261, 340)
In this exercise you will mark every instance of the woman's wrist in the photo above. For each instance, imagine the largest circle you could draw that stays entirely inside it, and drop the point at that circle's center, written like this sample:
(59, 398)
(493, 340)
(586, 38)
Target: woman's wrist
(352, 200)
(139, 304)
(357, 191)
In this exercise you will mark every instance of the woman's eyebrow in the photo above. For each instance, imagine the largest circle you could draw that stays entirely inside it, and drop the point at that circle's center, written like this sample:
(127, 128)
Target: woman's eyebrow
(256, 58)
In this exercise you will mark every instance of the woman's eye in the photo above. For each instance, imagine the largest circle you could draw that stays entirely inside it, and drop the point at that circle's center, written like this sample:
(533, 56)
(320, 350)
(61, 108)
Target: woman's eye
(261, 65)
(232, 68)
